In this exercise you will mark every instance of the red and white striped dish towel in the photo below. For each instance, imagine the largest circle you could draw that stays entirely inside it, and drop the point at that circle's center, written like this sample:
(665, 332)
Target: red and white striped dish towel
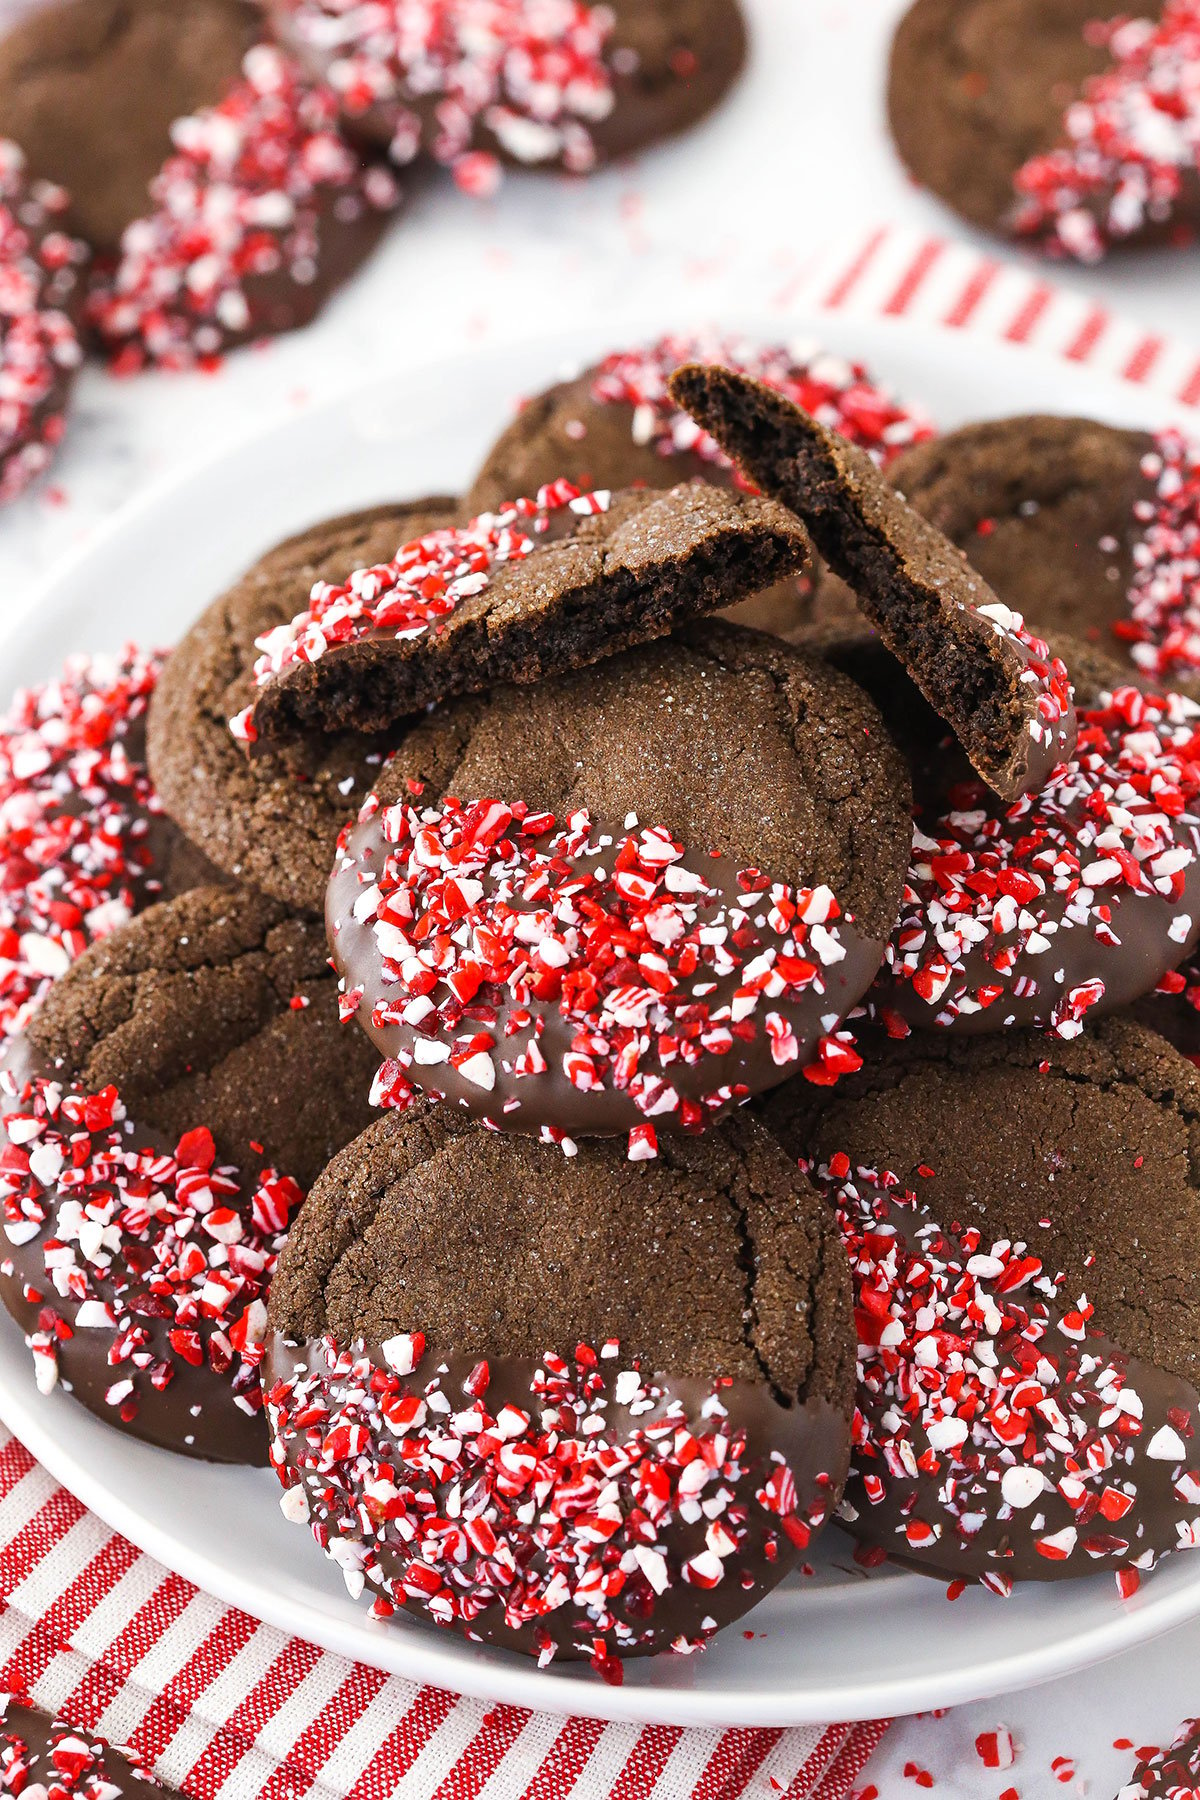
(222, 1705)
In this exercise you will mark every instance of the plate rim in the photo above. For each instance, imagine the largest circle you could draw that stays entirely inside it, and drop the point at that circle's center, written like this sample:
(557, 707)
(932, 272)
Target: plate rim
(439, 1659)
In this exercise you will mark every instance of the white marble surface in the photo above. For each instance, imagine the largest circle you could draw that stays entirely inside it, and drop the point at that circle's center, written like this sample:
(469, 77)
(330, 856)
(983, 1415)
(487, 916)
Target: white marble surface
(732, 214)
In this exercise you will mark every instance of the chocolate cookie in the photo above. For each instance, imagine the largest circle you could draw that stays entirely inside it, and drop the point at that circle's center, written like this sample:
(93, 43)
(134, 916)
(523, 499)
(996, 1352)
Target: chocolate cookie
(90, 89)
(563, 86)
(260, 212)
(641, 1379)
(546, 585)
(1002, 693)
(41, 280)
(164, 1105)
(1089, 529)
(1172, 1773)
(44, 1755)
(84, 841)
(271, 822)
(625, 900)
(1052, 119)
(1021, 1217)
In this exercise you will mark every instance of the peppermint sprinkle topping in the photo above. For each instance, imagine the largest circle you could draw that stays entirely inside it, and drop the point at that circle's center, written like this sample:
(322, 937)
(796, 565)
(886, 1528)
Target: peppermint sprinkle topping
(424, 583)
(835, 392)
(39, 345)
(1172, 1773)
(991, 1409)
(52, 1760)
(516, 949)
(158, 1250)
(75, 806)
(1164, 596)
(531, 74)
(1002, 903)
(255, 186)
(1133, 139)
(581, 1484)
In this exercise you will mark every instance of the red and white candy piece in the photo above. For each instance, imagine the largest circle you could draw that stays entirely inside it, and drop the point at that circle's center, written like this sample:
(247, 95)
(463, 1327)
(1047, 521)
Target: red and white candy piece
(1163, 628)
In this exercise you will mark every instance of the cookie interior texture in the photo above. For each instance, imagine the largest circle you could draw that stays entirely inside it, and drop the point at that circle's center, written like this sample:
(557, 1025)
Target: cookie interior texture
(90, 89)
(713, 1258)
(188, 1012)
(271, 822)
(594, 584)
(977, 87)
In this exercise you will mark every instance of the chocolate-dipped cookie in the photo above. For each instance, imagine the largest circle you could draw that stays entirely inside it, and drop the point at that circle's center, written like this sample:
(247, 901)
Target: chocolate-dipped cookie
(1004, 695)
(1058, 120)
(41, 293)
(639, 1381)
(259, 213)
(566, 85)
(42, 1754)
(1087, 528)
(84, 841)
(1172, 1773)
(162, 1112)
(624, 900)
(1020, 1216)
(543, 585)
(271, 822)
(91, 88)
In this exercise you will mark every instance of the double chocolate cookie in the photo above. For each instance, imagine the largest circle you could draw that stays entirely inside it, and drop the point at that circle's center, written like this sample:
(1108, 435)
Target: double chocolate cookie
(546, 584)
(568, 85)
(273, 821)
(561, 1405)
(91, 88)
(1006, 698)
(41, 1754)
(1021, 1219)
(1061, 120)
(1090, 530)
(627, 899)
(169, 1100)
(41, 293)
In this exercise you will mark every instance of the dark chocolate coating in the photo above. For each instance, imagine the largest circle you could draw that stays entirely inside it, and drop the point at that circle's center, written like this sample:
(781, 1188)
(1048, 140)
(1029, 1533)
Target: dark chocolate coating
(927, 604)
(662, 733)
(1089, 1154)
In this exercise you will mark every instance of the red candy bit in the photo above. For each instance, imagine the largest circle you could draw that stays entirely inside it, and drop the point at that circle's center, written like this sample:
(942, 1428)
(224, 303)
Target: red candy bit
(996, 1749)
(132, 1237)
(532, 74)
(39, 345)
(1118, 822)
(838, 393)
(425, 581)
(249, 193)
(616, 933)
(983, 1391)
(1163, 628)
(575, 1494)
(1133, 139)
(75, 857)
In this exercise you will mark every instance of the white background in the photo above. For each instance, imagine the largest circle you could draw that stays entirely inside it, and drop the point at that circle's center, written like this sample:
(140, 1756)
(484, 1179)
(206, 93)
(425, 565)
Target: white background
(733, 214)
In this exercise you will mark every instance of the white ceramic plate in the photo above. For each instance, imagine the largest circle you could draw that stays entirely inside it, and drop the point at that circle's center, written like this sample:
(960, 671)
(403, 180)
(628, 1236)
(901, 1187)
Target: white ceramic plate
(838, 1645)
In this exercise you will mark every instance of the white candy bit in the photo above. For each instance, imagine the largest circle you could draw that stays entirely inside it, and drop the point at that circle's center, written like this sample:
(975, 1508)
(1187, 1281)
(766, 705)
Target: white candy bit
(1022, 1486)
(403, 1353)
(1166, 1445)
(293, 1504)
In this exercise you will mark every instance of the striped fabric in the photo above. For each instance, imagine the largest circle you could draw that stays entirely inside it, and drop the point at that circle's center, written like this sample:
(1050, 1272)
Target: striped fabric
(225, 1706)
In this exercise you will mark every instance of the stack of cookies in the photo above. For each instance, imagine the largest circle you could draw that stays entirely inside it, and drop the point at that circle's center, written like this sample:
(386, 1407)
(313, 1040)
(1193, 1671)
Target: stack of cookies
(731, 1105)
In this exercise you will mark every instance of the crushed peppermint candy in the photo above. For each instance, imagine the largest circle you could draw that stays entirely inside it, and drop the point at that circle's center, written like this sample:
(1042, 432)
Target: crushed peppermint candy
(44, 1758)
(76, 803)
(1163, 628)
(1031, 907)
(253, 189)
(994, 1421)
(498, 945)
(1132, 140)
(424, 583)
(167, 1254)
(40, 271)
(562, 1498)
(531, 77)
(1172, 1773)
(836, 392)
